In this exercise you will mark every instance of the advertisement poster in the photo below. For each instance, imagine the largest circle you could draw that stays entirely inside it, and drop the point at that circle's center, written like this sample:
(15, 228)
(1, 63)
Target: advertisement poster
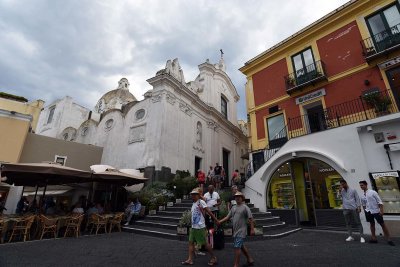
(387, 186)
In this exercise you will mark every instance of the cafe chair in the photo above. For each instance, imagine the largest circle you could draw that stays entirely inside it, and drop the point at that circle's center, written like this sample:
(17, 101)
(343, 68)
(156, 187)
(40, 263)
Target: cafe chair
(23, 227)
(116, 221)
(98, 222)
(74, 225)
(48, 226)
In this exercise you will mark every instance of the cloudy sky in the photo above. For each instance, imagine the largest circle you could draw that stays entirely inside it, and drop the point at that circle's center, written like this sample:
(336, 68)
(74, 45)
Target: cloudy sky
(81, 48)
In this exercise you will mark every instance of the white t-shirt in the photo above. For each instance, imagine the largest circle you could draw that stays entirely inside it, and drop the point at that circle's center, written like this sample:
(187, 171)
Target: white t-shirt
(211, 200)
(371, 201)
(198, 221)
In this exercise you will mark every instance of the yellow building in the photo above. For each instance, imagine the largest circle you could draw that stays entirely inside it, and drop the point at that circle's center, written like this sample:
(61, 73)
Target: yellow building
(21, 105)
(14, 128)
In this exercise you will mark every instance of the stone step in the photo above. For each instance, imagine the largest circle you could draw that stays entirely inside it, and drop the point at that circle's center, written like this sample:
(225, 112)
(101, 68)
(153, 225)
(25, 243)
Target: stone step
(156, 224)
(169, 213)
(267, 221)
(261, 215)
(180, 209)
(163, 218)
(278, 233)
(154, 231)
(268, 228)
(185, 205)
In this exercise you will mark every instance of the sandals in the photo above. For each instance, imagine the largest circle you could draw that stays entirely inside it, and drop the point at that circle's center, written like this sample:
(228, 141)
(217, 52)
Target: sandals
(213, 261)
(187, 263)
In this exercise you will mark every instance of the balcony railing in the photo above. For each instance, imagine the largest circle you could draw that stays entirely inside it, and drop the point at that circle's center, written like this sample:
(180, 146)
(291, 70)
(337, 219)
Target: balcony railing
(381, 43)
(369, 106)
(303, 77)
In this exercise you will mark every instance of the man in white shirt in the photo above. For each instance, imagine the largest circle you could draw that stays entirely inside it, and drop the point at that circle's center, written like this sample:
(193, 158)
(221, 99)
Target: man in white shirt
(373, 208)
(213, 202)
(198, 230)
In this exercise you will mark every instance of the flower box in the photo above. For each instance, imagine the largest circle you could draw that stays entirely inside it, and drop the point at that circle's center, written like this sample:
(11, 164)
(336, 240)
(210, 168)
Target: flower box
(182, 230)
(178, 200)
(170, 204)
(161, 208)
(152, 212)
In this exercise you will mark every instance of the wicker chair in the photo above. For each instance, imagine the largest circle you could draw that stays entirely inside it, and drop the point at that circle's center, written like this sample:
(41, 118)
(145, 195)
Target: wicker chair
(74, 224)
(116, 221)
(48, 226)
(99, 222)
(23, 227)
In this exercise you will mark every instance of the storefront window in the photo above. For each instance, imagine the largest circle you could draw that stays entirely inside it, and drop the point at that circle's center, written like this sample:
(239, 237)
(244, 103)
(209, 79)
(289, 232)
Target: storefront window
(281, 193)
(387, 186)
(325, 182)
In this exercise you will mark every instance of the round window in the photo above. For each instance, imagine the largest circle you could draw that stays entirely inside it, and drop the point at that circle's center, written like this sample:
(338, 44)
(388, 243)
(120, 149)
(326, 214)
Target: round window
(140, 114)
(109, 124)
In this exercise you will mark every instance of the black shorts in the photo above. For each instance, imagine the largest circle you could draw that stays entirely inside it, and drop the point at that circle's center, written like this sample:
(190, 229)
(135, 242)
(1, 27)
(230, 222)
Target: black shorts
(371, 217)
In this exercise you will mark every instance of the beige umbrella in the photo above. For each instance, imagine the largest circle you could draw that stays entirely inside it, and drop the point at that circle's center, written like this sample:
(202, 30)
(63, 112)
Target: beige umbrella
(42, 174)
(121, 177)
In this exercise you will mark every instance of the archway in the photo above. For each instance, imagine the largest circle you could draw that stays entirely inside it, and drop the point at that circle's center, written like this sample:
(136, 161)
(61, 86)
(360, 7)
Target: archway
(305, 191)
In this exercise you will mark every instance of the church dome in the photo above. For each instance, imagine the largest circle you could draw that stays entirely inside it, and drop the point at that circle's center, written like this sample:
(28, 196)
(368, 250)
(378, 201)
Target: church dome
(116, 98)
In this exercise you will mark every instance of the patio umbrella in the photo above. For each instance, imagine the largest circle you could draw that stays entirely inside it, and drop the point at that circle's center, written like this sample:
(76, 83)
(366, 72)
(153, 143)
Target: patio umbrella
(42, 174)
(120, 177)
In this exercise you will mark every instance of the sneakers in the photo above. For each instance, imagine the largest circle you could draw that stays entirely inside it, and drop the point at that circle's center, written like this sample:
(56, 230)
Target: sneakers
(349, 239)
(391, 243)
(126, 224)
(362, 240)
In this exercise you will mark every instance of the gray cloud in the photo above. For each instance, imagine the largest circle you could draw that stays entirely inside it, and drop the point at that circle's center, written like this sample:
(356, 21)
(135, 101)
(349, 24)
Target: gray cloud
(51, 48)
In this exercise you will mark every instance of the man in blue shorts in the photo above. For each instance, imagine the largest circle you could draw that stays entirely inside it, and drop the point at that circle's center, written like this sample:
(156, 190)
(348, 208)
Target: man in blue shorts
(240, 214)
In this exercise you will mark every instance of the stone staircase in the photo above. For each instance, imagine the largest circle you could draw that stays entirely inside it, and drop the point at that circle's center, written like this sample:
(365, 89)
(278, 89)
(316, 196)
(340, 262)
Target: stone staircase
(164, 224)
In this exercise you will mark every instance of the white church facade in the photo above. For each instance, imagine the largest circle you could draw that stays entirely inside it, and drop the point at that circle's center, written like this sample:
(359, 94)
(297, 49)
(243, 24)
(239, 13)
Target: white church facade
(178, 125)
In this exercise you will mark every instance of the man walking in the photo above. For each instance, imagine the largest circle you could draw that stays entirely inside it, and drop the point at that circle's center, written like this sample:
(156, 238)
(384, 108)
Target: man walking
(217, 176)
(198, 230)
(240, 214)
(373, 208)
(213, 202)
(351, 210)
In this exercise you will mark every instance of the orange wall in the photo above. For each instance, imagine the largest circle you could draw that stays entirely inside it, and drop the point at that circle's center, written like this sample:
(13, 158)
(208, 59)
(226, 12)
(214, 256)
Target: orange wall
(341, 49)
(269, 83)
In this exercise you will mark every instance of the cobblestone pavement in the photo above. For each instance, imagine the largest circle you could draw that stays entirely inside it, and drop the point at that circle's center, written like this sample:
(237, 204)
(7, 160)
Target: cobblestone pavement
(305, 248)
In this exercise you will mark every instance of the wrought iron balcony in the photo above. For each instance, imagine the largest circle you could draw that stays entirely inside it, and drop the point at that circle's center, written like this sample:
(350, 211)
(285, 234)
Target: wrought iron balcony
(381, 43)
(311, 74)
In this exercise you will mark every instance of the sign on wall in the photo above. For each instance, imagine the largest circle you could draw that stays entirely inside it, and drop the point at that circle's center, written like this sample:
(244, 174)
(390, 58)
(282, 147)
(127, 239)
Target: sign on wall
(310, 96)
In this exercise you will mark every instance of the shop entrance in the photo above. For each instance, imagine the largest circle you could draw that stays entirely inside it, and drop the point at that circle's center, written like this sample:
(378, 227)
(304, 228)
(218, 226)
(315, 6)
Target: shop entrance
(305, 192)
(315, 117)
(393, 76)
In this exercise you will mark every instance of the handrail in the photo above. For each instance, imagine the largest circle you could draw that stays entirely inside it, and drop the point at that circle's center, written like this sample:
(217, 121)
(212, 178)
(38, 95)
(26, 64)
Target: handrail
(384, 40)
(258, 193)
(304, 76)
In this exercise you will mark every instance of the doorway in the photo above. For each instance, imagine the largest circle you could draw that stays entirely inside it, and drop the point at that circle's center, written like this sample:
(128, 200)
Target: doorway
(393, 76)
(315, 117)
(197, 164)
(225, 165)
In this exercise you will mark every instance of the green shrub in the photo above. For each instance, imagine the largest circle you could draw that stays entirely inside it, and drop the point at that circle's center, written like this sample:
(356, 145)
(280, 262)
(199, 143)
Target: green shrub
(186, 219)
(182, 185)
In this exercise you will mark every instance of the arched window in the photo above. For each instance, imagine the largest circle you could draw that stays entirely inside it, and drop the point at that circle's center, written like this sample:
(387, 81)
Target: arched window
(224, 106)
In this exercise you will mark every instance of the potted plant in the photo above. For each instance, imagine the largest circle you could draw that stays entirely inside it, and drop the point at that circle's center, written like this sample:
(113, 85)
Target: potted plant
(152, 207)
(379, 102)
(185, 223)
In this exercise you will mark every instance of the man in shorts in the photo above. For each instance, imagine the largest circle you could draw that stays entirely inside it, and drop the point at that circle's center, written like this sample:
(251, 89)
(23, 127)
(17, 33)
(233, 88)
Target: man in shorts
(240, 214)
(373, 207)
(198, 230)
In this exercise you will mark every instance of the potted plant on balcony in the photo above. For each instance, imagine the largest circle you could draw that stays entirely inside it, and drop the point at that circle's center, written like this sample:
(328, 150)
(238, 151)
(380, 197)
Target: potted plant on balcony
(379, 102)
(290, 82)
(185, 223)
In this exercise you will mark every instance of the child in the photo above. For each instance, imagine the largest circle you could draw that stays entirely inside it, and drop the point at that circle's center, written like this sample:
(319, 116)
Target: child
(240, 214)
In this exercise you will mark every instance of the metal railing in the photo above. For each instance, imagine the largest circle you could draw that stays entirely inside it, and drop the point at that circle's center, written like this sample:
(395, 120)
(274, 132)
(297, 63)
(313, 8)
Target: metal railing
(310, 74)
(380, 42)
(368, 106)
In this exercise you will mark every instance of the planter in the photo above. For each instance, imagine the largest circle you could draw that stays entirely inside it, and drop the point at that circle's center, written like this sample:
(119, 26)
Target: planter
(170, 204)
(258, 231)
(228, 231)
(152, 212)
(182, 230)
(161, 208)
(178, 200)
